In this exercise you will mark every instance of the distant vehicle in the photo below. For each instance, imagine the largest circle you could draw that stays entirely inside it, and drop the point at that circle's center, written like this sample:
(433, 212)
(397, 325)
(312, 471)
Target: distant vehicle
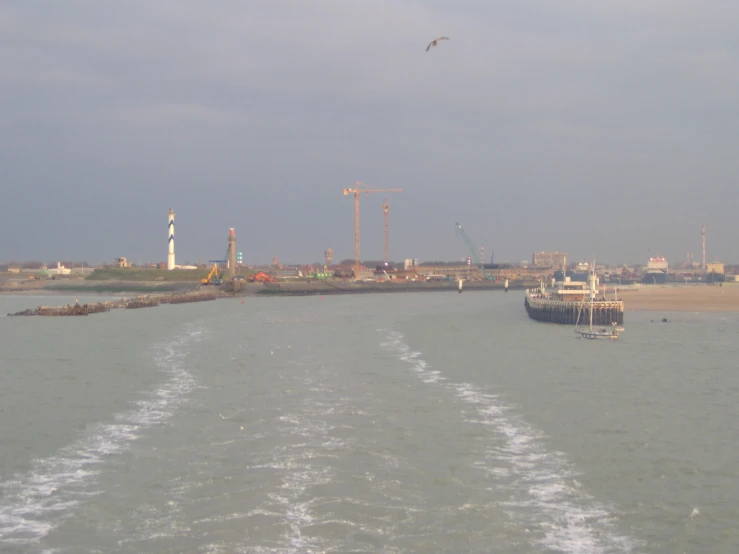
(261, 277)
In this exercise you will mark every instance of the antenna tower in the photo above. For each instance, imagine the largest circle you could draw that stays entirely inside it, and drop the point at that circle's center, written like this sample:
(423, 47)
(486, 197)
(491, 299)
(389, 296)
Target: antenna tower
(385, 208)
(703, 236)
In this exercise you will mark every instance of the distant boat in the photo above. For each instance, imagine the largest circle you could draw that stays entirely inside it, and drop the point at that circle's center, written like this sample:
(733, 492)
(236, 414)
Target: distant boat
(595, 332)
(599, 332)
(654, 277)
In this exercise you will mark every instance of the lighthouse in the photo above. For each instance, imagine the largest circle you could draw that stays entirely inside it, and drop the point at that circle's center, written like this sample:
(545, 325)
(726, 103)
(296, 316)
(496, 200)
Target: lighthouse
(170, 255)
(231, 253)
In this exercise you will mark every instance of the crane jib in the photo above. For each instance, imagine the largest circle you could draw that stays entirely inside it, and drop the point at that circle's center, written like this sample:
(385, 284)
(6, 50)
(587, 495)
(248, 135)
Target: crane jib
(473, 251)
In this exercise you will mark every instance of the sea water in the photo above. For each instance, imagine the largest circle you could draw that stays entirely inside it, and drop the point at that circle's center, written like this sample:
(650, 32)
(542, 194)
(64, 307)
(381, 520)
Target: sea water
(421, 422)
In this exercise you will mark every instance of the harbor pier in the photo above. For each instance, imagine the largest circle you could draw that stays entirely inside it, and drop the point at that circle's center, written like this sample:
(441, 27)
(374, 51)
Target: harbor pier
(605, 312)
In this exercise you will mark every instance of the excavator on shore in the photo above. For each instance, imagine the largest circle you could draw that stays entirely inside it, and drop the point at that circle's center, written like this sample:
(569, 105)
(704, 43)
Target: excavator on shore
(213, 278)
(261, 277)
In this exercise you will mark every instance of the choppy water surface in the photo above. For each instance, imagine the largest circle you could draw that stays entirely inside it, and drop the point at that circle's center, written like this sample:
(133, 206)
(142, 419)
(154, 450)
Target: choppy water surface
(427, 422)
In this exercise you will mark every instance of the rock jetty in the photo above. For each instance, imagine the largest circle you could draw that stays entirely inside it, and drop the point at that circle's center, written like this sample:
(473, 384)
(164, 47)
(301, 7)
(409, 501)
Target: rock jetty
(146, 301)
(76, 309)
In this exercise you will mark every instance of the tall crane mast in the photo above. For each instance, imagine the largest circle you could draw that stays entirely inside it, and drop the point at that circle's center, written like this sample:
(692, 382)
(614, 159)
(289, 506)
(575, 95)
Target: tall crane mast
(473, 252)
(385, 209)
(356, 191)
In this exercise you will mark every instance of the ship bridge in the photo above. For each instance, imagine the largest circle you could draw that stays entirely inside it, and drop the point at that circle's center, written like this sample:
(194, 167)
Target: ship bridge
(570, 291)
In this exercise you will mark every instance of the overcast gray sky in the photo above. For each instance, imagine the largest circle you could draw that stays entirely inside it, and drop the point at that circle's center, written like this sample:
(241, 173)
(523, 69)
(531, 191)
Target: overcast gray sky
(604, 129)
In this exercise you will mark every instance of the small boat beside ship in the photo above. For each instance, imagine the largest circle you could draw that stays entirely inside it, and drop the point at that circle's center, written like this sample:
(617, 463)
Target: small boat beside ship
(591, 332)
(565, 302)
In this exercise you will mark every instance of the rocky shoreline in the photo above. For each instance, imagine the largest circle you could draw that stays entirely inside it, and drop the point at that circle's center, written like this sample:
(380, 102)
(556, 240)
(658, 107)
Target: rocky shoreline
(145, 301)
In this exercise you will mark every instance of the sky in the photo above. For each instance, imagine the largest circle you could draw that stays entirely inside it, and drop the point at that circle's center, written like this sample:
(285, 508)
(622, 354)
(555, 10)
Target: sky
(606, 130)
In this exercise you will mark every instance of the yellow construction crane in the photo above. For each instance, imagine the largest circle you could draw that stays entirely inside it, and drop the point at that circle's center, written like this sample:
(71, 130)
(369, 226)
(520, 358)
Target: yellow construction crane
(356, 191)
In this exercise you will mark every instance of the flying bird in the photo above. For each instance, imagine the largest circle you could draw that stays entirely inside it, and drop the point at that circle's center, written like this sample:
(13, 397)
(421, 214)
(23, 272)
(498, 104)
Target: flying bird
(435, 42)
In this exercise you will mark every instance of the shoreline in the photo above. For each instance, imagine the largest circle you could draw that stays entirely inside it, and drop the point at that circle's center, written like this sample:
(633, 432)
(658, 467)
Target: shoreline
(674, 298)
(285, 288)
(682, 298)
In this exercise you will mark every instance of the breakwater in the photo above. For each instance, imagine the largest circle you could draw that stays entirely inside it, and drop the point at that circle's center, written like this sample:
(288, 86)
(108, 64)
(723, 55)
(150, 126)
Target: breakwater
(142, 303)
(605, 312)
(184, 298)
(73, 309)
(147, 301)
(288, 288)
(307, 288)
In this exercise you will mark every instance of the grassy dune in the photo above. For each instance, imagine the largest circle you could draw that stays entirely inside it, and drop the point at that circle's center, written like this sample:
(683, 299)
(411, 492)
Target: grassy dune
(118, 286)
(146, 274)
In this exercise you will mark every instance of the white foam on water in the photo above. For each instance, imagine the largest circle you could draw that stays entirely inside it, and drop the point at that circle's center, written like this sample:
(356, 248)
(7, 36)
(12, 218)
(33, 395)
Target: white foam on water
(299, 474)
(543, 492)
(299, 464)
(58, 483)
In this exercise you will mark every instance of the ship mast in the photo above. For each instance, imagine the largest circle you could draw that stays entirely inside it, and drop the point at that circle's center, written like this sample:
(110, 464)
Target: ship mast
(592, 292)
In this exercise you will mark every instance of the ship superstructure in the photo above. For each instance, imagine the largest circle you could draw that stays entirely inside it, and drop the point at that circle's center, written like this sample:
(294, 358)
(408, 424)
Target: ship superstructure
(565, 302)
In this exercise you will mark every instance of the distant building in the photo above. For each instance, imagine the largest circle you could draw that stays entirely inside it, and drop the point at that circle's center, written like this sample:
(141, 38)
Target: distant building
(81, 270)
(122, 262)
(287, 273)
(59, 270)
(715, 267)
(549, 259)
(343, 272)
(409, 263)
(405, 274)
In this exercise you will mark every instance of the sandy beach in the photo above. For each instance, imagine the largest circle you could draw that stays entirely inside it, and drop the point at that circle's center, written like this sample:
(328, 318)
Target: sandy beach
(682, 298)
